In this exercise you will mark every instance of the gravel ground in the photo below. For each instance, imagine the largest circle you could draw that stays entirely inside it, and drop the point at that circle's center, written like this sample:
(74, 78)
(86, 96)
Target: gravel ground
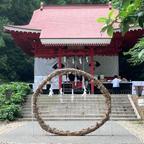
(134, 127)
(31, 133)
(2, 123)
(7, 127)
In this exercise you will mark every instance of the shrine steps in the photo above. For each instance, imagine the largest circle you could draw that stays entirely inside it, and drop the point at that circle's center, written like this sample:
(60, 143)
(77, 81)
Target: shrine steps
(90, 108)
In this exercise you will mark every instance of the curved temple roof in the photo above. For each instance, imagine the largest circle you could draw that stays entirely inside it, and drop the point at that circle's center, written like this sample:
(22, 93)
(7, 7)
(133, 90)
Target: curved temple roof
(67, 25)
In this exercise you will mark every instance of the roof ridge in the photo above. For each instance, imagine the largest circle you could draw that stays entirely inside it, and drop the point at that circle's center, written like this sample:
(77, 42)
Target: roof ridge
(76, 6)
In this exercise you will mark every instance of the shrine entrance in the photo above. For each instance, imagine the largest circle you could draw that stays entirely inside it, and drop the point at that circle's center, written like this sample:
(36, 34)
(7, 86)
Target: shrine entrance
(90, 78)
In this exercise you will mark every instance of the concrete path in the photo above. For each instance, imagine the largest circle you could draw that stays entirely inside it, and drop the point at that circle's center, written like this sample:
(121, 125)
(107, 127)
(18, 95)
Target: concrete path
(31, 133)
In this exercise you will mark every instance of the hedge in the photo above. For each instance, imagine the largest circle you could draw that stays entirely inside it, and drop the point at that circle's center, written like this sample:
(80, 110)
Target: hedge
(12, 97)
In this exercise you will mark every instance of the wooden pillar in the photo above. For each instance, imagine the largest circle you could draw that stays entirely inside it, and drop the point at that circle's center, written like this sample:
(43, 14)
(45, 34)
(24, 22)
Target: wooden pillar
(92, 70)
(60, 77)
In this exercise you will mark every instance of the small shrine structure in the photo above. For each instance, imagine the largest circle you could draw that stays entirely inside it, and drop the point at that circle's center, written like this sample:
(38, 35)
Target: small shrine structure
(69, 36)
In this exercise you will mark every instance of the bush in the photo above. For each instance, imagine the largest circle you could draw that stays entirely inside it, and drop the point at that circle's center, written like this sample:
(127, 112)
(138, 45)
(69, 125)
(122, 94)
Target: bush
(10, 112)
(11, 106)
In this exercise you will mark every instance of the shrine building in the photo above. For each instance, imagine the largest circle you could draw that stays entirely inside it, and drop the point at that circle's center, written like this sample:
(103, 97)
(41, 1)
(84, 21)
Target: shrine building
(69, 36)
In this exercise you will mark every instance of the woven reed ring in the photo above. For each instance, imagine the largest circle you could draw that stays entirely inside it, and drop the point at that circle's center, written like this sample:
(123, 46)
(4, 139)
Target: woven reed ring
(84, 131)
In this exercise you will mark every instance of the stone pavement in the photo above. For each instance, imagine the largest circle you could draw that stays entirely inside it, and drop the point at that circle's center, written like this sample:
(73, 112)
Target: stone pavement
(134, 127)
(31, 133)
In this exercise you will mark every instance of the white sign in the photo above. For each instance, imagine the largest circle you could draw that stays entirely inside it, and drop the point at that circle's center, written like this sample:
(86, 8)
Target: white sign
(141, 102)
(135, 84)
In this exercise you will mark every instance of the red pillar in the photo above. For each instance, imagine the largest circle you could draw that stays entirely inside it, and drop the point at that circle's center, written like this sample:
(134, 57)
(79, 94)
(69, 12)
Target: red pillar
(60, 77)
(92, 71)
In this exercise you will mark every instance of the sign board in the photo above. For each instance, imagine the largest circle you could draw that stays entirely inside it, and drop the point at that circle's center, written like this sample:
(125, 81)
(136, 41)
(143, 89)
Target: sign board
(135, 84)
(141, 102)
(8, 93)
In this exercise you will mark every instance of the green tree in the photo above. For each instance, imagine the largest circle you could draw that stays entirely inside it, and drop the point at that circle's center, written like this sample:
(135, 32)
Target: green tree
(65, 2)
(131, 14)
(18, 12)
(4, 6)
(12, 60)
(136, 53)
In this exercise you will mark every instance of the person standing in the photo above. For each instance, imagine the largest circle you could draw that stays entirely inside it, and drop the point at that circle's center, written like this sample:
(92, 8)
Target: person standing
(116, 84)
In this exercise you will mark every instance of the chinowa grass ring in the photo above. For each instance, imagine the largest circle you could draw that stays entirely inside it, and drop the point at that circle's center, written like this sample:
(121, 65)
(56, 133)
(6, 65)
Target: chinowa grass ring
(81, 132)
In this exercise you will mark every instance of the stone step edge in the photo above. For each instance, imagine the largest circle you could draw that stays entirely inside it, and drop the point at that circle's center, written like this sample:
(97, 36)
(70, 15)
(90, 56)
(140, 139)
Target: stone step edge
(89, 119)
(81, 115)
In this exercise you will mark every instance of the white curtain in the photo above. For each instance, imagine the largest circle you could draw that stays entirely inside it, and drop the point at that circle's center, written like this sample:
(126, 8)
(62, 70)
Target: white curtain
(42, 68)
(109, 65)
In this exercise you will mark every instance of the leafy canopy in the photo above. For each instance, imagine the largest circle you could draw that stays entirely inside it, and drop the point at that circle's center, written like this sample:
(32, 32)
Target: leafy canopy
(65, 2)
(14, 64)
(131, 13)
(12, 60)
(136, 53)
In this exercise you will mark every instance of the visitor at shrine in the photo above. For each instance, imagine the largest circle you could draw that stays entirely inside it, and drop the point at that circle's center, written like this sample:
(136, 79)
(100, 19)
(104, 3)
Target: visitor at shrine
(116, 84)
(119, 77)
(124, 80)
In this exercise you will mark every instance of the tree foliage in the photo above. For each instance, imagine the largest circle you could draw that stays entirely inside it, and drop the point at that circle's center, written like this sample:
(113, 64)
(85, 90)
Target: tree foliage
(65, 2)
(136, 53)
(12, 59)
(14, 64)
(11, 102)
(130, 14)
(131, 72)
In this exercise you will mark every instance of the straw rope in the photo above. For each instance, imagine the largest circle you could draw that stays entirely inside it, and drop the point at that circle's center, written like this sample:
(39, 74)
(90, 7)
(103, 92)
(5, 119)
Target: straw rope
(84, 131)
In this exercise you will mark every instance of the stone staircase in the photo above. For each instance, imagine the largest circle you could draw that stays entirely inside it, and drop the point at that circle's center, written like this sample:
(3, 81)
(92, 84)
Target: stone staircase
(92, 107)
